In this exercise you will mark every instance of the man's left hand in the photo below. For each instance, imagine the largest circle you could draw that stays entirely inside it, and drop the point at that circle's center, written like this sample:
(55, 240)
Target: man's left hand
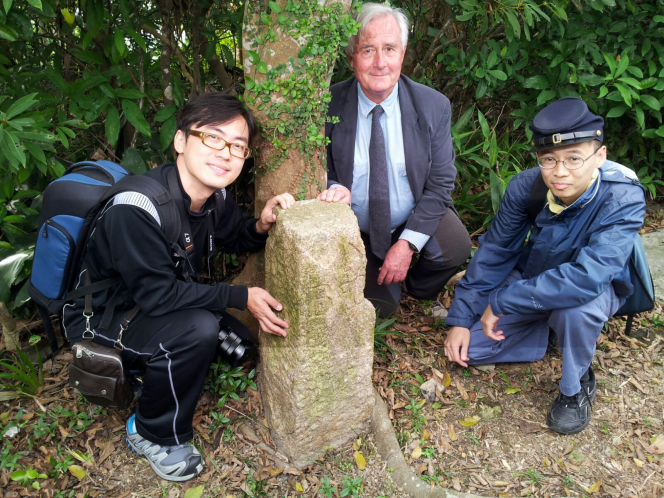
(396, 264)
(268, 217)
(490, 324)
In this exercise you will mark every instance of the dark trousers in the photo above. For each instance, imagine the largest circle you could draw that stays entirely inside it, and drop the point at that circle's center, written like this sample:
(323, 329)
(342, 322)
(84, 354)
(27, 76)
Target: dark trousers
(174, 352)
(438, 261)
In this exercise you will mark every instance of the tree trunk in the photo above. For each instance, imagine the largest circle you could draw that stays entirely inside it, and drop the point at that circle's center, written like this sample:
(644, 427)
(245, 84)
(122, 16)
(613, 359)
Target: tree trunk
(12, 342)
(286, 90)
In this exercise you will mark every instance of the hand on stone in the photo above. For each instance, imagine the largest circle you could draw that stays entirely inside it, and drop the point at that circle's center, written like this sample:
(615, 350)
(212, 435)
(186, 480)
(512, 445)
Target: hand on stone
(396, 264)
(490, 324)
(268, 217)
(337, 194)
(260, 303)
(456, 345)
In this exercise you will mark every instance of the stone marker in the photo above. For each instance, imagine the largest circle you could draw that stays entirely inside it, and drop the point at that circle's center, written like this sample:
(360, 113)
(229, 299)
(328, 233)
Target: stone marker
(316, 383)
(654, 245)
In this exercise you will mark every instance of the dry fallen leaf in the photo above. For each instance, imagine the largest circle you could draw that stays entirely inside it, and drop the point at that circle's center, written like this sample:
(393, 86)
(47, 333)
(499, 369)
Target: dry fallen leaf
(77, 471)
(360, 460)
(195, 492)
(451, 433)
(447, 379)
(470, 421)
(657, 445)
(425, 435)
(594, 488)
(417, 453)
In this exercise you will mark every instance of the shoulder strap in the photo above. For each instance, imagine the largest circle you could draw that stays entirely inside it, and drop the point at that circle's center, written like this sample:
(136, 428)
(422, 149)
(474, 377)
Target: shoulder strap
(160, 198)
(537, 198)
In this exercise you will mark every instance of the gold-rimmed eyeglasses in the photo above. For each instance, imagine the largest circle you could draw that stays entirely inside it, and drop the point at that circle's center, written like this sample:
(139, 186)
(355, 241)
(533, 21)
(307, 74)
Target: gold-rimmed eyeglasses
(213, 141)
(571, 163)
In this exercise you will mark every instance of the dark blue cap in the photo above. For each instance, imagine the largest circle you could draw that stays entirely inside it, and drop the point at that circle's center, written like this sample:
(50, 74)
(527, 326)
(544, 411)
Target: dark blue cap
(564, 122)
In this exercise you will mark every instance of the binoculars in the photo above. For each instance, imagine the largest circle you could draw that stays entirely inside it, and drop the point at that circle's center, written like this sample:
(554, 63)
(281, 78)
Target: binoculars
(233, 348)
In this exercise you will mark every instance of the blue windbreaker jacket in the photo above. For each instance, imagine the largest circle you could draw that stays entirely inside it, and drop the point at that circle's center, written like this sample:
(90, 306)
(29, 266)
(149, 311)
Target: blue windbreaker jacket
(570, 258)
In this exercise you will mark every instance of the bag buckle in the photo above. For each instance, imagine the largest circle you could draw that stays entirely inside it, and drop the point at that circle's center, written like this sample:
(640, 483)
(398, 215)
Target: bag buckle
(117, 344)
(88, 329)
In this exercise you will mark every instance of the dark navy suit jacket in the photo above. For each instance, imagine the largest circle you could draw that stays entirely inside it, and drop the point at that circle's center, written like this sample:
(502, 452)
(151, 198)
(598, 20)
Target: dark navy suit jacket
(425, 120)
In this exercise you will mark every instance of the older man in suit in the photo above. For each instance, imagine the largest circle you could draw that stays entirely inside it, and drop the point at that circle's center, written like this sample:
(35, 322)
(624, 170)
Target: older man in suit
(391, 159)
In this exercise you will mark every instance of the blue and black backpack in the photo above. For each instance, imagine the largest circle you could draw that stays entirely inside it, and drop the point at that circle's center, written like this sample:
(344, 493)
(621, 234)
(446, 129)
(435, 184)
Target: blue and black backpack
(71, 206)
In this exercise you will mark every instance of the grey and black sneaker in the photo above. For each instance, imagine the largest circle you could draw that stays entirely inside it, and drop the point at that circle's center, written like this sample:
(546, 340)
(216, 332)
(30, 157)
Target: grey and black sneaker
(173, 463)
(571, 414)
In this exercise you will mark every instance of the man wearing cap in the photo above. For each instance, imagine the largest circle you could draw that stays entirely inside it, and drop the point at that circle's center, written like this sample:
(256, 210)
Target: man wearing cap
(572, 273)
(391, 158)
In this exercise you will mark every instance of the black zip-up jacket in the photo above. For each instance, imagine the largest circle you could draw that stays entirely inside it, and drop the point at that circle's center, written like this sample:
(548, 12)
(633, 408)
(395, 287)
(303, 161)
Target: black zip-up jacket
(128, 242)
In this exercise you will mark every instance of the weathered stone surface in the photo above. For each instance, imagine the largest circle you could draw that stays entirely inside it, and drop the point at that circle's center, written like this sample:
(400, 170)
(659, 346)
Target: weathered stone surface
(654, 245)
(316, 383)
(429, 389)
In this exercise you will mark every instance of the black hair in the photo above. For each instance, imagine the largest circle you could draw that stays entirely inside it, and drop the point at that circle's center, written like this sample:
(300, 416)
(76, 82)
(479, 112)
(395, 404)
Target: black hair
(215, 108)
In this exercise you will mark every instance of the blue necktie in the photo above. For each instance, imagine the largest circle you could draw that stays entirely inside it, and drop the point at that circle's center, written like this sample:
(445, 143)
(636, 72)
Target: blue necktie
(379, 190)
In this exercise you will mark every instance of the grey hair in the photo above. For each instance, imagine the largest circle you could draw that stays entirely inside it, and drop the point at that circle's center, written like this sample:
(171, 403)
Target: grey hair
(371, 11)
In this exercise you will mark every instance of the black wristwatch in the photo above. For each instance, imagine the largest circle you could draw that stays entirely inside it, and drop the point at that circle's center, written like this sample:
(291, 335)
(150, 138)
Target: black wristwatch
(412, 246)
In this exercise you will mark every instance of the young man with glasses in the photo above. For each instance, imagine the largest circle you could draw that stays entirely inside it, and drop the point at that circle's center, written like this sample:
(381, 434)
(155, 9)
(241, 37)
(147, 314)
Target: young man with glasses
(568, 276)
(175, 336)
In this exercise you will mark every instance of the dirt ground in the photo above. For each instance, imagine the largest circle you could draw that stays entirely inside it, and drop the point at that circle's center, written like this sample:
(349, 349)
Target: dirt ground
(485, 433)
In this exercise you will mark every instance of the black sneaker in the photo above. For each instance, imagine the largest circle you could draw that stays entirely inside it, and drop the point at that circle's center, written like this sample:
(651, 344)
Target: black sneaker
(571, 414)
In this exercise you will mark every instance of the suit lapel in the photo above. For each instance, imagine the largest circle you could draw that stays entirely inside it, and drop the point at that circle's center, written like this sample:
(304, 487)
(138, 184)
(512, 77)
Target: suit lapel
(415, 141)
(343, 137)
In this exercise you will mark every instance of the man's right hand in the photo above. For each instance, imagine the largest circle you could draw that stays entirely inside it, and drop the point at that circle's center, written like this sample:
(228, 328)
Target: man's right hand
(337, 194)
(260, 303)
(456, 345)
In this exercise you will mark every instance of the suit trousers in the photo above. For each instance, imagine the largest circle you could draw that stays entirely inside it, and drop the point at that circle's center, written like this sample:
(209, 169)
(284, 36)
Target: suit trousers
(526, 336)
(174, 351)
(438, 261)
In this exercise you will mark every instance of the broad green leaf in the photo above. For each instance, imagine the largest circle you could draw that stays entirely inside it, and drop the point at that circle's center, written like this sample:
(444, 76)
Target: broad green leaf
(274, 7)
(164, 113)
(21, 105)
(616, 112)
(8, 32)
(545, 96)
(651, 102)
(591, 79)
(514, 23)
(640, 116)
(498, 74)
(16, 151)
(658, 19)
(119, 39)
(135, 117)
(261, 67)
(167, 132)
(35, 151)
(63, 138)
(512, 390)
(496, 191)
(140, 41)
(133, 161)
(538, 82)
(11, 268)
(631, 82)
(622, 65)
(87, 56)
(129, 93)
(266, 19)
(7, 4)
(486, 130)
(624, 93)
(36, 4)
(611, 62)
(112, 125)
(68, 16)
(560, 12)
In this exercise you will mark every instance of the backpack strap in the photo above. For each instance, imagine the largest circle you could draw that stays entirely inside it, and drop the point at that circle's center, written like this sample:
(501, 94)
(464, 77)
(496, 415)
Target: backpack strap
(537, 198)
